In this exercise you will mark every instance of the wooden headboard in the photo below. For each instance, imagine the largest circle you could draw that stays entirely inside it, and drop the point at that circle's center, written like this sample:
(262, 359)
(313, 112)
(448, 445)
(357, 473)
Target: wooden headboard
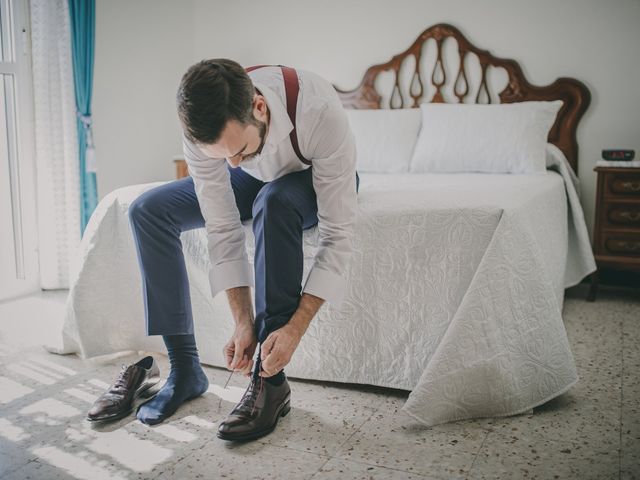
(573, 93)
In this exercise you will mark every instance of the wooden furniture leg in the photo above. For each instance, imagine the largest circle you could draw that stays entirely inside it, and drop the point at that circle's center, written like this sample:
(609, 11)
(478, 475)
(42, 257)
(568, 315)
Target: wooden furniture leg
(591, 296)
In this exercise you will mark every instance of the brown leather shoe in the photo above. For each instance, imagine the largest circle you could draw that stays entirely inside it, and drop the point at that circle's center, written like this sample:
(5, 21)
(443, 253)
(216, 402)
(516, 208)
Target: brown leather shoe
(137, 380)
(257, 412)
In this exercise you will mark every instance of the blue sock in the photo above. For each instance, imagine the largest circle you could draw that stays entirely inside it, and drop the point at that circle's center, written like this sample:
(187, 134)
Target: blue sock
(186, 380)
(276, 379)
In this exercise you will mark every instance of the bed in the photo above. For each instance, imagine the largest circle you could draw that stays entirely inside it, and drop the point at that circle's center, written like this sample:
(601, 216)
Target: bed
(456, 286)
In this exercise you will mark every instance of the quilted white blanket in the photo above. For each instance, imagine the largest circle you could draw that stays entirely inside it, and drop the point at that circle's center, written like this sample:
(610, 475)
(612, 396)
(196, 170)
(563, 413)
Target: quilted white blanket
(455, 292)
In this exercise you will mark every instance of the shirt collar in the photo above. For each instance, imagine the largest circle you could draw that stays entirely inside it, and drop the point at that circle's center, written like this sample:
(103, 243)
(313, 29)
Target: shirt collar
(280, 125)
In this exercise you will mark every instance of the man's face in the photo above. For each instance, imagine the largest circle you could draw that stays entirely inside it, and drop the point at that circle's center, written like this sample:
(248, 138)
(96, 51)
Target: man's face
(241, 142)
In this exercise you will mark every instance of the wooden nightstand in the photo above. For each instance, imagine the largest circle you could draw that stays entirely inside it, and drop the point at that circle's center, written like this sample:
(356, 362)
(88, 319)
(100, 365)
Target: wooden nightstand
(616, 235)
(181, 168)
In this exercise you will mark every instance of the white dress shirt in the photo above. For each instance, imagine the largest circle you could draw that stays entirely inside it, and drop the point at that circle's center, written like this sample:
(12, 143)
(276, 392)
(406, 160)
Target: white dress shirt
(324, 138)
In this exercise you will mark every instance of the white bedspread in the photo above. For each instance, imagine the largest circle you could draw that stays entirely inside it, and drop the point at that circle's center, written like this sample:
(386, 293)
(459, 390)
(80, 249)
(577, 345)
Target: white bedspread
(456, 291)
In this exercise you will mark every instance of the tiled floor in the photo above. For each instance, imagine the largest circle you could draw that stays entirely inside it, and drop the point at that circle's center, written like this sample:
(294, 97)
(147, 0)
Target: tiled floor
(334, 431)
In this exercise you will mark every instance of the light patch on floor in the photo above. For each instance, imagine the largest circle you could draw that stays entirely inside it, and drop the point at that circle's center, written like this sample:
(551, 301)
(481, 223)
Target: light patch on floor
(50, 407)
(174, 433)
(81, 395)
(87, 387)
(199, 422)
(44, 371)
(229, 394)
(12, 432)
(21, 369)
(126, 448)
(11, 390)
(76, 466)
(99, 383)
(52, 365)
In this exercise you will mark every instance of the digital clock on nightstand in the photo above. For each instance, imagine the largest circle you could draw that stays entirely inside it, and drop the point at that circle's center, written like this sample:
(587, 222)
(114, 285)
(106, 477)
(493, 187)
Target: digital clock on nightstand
(618, 155)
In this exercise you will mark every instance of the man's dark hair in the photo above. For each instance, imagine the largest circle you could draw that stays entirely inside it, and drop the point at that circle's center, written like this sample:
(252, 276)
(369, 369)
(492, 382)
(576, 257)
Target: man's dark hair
(211, 93)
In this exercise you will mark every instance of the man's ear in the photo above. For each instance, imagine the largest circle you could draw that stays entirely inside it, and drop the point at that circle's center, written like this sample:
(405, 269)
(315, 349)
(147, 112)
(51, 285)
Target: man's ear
(260, 107)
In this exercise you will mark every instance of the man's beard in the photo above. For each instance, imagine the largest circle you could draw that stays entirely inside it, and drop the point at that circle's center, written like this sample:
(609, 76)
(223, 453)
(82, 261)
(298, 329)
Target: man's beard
(262, 130)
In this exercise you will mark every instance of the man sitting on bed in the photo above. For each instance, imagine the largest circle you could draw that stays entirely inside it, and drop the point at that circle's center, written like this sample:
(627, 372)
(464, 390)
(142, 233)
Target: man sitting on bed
(293, 175)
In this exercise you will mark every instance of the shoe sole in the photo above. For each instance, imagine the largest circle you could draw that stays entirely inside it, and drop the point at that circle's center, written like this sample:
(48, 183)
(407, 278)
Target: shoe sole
(252, 436)
(145, 394)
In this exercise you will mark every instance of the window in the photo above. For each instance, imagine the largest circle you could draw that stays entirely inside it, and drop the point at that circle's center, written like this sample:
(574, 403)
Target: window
(18, 240)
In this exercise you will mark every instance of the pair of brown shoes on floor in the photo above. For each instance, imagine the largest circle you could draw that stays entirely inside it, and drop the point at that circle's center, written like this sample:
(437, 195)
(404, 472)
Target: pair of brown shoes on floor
(254, 416)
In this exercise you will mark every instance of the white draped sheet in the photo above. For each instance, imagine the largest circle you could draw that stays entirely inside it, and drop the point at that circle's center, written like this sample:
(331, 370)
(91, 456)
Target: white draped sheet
(455, 292)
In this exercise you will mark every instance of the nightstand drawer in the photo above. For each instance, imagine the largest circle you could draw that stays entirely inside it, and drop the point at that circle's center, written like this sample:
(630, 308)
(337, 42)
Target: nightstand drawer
(626, 244)
(616, 233)
(622, 184)
(625, 215)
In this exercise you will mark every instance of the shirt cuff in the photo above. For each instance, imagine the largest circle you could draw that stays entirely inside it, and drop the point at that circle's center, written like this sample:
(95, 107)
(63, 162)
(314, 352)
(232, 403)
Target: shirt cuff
(237, 273)
(326, 285)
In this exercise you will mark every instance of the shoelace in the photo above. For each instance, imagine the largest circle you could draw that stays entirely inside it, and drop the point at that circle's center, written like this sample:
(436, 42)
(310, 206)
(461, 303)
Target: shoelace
(254, 377)
(248, 392)
(255, 400)
(121, 381)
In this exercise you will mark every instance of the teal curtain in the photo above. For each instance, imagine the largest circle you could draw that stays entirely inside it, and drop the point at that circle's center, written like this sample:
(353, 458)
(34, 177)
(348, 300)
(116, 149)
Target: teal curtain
(83, 25)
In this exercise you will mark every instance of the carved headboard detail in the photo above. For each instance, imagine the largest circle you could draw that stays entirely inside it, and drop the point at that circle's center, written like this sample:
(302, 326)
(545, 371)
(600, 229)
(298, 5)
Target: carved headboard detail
(457, 85)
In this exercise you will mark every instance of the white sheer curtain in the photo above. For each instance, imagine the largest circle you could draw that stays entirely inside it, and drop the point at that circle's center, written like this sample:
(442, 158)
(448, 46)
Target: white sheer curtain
(58, 182)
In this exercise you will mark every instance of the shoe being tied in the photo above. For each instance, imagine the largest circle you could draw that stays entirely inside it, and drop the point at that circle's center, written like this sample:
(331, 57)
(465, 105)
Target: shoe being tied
(258, 411)
(135, 381)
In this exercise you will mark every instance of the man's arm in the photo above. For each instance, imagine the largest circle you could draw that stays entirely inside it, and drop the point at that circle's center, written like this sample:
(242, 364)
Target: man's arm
(241, 305)
(225, 235)
(242, 308)
(307, 309)
(334, 181)
(230, 269)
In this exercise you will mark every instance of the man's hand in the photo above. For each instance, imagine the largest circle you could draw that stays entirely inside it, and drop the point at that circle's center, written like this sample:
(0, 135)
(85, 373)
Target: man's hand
(240, 348)
(277, 349)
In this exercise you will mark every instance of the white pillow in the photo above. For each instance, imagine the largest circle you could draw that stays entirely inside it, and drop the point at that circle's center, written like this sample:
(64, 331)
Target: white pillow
(385, 138)
(490, 138)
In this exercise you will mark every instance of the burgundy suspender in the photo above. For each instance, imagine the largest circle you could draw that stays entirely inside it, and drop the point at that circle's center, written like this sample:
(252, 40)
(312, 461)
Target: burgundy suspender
(291, 87)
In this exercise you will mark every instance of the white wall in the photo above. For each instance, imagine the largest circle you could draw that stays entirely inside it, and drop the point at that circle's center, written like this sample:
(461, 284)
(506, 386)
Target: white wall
(142, 49)
(140, 56)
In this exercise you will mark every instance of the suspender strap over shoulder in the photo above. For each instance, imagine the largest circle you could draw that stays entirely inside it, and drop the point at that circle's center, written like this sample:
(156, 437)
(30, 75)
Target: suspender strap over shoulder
(291, 87)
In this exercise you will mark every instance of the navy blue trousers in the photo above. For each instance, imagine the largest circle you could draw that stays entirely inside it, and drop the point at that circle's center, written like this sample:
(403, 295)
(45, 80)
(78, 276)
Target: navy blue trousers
(281, 210)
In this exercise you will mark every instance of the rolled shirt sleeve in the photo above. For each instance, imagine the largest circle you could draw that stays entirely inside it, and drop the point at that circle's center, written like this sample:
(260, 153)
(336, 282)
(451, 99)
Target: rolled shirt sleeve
(334, 181)
(225, 235)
